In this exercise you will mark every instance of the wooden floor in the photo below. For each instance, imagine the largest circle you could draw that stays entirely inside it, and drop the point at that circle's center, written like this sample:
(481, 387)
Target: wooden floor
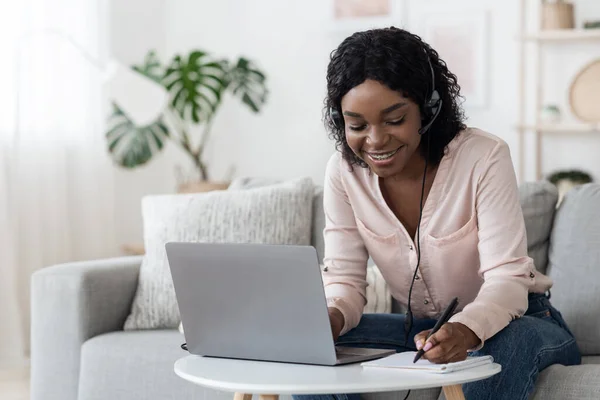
(14, 384)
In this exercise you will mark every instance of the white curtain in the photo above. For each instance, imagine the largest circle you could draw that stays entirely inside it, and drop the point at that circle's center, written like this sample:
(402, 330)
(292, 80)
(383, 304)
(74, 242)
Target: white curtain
(56, 179)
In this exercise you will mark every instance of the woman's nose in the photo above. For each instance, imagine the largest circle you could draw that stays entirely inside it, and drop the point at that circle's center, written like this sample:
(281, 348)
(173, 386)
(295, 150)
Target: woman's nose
(376, 137)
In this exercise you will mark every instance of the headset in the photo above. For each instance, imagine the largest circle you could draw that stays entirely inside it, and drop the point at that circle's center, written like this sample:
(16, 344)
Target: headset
(431, 110)
(433, 106)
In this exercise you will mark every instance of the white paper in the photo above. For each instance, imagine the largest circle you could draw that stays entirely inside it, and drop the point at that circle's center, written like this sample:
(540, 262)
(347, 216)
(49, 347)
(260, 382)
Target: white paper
(405, 361)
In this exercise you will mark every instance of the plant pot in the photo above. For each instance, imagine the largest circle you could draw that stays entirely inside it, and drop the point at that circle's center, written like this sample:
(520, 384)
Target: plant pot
(559, 15)
(201, 187)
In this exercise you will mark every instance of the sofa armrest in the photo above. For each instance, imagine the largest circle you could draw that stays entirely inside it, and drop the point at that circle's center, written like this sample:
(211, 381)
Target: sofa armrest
(71, 303)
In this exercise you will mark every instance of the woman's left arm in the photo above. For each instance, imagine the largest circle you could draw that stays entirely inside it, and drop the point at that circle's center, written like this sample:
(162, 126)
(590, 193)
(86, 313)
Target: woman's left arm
(507, 270)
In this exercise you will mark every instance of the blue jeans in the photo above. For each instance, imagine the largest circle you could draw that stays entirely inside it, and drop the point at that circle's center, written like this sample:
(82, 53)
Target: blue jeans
(524, 348)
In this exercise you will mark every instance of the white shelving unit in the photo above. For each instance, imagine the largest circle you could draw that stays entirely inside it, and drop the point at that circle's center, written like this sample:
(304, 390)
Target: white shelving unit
(539, 40)
(562, 128)
(564, 35)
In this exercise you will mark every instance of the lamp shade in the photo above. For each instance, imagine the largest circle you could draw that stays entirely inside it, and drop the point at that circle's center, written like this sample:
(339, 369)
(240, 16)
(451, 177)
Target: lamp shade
(139, 97)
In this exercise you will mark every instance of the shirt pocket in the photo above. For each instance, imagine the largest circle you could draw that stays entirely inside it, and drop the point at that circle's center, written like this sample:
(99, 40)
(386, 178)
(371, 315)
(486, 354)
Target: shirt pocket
(385, 250)
(456, 236)
(372, 237)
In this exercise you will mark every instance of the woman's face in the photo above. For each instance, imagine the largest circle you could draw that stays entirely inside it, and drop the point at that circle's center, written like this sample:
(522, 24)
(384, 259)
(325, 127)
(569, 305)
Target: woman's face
(382, 127)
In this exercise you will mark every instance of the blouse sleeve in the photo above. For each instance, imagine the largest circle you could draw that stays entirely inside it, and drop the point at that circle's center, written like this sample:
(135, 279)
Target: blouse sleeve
(345, 260)
(507, 270)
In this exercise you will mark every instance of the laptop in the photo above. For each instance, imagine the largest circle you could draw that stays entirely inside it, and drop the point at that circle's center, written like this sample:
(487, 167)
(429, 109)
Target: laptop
(256, 302)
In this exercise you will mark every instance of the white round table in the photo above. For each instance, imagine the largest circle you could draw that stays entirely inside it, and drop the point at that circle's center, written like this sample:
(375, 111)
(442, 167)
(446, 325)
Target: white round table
(269, 380)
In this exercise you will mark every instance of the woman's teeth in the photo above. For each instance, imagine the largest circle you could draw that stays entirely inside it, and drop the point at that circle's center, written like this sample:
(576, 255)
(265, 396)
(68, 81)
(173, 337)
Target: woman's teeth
(383, 156)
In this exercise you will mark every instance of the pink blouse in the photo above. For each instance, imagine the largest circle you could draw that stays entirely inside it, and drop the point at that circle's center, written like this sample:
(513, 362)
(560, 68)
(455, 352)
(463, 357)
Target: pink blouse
(473, 240)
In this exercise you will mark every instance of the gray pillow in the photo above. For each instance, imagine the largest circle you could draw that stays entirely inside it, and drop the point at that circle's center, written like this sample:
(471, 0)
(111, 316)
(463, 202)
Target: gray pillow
(318, 224)
(574, 265)
(538, 201)
(276, 214)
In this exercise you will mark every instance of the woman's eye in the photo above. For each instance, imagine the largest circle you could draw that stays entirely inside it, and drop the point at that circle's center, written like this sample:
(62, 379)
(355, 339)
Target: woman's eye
(357, 128)
(396, 122)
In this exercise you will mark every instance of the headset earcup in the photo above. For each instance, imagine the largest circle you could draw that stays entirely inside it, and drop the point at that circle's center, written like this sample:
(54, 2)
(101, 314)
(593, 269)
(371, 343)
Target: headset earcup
(336, 117)
(433, 108)
(433, 104)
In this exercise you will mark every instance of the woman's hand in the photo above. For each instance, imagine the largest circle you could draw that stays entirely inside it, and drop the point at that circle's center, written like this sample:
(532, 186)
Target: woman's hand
(449, 344)
(336, 319)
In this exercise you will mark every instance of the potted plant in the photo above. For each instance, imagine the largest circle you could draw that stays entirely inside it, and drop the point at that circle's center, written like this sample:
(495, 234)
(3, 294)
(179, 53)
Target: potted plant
(565, 180)
(197, 84)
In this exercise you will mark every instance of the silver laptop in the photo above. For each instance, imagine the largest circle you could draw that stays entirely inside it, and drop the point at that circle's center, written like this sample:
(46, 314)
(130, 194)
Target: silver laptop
(256, 302)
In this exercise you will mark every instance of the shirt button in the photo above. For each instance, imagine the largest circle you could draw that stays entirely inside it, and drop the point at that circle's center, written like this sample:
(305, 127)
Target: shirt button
(410, 247)
(531, 275)
(417, 277)
(425, 301)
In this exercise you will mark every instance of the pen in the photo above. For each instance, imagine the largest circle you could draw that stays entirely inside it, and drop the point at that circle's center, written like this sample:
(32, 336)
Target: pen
(443, 319)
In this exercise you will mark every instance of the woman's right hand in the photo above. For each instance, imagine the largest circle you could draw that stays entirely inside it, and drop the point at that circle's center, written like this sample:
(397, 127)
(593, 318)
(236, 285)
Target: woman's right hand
(336, 319)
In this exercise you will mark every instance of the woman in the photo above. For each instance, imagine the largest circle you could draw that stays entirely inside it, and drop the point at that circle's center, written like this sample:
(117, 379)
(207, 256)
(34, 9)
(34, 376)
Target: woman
(436, 206)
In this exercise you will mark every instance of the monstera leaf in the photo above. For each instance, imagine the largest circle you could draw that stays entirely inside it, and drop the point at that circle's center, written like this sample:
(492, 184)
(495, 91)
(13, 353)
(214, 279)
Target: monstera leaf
(130, 145)
(196, 84)
(151, 67)
(248, 83)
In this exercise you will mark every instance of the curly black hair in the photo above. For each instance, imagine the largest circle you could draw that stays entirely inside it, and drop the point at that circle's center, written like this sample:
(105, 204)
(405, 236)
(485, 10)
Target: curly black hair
(397, 59)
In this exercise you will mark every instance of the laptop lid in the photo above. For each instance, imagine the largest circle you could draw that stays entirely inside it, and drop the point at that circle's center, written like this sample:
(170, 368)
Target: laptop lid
(252, 301)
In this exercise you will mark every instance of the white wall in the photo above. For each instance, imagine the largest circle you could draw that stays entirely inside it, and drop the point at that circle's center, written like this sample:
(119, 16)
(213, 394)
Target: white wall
(137, 26)
(291, 41)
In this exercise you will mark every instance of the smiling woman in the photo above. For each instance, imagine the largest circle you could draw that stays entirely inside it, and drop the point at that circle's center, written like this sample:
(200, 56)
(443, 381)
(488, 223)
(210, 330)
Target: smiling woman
(435, 205)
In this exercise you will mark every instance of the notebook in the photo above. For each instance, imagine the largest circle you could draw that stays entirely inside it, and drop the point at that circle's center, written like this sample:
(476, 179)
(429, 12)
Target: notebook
(405, 361)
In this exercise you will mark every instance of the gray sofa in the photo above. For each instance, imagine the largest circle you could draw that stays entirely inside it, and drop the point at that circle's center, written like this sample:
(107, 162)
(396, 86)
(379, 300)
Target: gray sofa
(79, 350)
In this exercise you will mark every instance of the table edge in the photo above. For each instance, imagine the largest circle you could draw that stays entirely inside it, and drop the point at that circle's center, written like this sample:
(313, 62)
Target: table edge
(283, 389)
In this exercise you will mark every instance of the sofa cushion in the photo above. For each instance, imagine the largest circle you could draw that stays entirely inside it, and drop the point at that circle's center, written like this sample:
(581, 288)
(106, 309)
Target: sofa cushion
(137, 365)
(379, 298)
(574, 265)
(558, 382)
(538, 201)
(276, 214)
(318, 222)
(590, 360)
